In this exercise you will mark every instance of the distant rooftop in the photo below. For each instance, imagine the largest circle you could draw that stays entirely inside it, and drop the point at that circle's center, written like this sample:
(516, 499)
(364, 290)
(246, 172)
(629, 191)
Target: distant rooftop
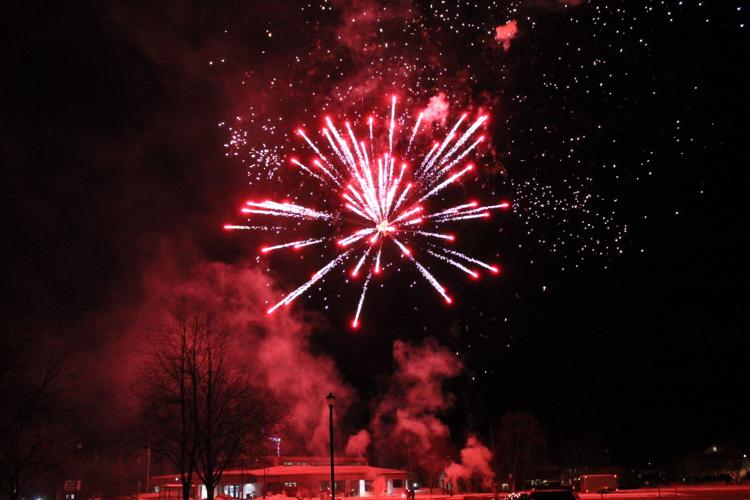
(275, 467)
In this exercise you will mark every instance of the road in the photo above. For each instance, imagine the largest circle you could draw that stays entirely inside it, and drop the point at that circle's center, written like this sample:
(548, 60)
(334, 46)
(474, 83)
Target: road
(711, 492)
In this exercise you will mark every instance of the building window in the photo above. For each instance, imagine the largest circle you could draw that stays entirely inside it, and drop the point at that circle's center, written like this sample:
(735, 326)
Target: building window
(233, 490)
(398, 483)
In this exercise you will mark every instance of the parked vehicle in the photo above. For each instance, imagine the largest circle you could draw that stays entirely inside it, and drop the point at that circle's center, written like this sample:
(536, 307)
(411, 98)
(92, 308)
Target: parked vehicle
(598, 483)
(544, 494)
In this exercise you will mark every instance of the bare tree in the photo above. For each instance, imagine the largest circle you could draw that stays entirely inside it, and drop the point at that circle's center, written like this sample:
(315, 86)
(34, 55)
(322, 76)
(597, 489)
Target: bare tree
(32, 375)
(204, 412)
(587, 452)
(521, 446)
(233, 415)
(167, 390)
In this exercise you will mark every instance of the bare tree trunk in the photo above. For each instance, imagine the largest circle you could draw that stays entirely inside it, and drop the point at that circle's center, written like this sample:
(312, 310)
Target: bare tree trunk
(186, 472)
(187, 486)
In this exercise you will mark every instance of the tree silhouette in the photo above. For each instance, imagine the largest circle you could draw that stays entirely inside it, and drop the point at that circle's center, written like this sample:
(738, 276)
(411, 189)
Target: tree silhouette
(33, 374)
(521, 447)
(202, 411)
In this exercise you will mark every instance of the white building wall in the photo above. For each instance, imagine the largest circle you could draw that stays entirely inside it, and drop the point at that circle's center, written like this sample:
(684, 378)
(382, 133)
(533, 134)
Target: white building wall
(249, 489)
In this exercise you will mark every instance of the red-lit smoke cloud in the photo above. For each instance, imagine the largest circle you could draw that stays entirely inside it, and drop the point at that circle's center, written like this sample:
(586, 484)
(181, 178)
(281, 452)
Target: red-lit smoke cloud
(436, 110)
(359, 34)
(475, 464)
(506, 32)
(407, 416)
(357, 444)
(274, 349)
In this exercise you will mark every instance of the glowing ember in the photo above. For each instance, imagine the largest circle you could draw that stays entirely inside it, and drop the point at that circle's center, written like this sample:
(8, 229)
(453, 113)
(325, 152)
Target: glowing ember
(383, 202)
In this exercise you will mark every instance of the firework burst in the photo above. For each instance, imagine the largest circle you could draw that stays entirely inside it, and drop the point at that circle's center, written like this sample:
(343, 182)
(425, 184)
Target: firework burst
(383, 202)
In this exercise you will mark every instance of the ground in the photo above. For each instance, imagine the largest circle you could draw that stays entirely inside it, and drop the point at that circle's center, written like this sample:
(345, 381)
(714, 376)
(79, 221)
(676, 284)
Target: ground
(712, 492)
(709, 492)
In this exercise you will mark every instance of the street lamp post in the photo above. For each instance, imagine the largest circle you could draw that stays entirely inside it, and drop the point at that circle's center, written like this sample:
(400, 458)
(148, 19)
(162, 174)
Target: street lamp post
(331, 400)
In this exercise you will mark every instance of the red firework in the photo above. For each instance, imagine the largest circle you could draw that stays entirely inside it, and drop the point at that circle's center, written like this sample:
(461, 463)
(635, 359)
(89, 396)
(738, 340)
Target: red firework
(382, 203)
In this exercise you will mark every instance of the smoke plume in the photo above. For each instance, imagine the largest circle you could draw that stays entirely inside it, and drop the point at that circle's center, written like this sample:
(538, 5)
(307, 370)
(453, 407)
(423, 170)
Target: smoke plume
(274, 349)
(506, 32)
(437, 109)
(406, 423)
(475, 465)
(357, 444)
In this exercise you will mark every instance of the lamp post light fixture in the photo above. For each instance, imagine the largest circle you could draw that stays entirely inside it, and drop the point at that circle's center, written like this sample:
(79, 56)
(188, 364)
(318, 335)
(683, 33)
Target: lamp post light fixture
(331, 400)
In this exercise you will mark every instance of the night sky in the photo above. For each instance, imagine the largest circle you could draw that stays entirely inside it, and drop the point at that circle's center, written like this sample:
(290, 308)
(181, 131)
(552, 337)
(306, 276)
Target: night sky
(618, 131)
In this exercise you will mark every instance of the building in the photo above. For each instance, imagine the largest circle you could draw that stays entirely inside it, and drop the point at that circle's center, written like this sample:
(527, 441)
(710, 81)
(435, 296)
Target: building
(69, 490)
(719, 462)
(301, 477)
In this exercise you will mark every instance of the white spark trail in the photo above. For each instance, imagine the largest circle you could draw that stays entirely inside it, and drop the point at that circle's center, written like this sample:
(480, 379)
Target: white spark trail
(393, 124)
(372, 148)
(446, 141)
(342, 144)
(478, 123)
(315, 148)
(431, 280)
(442, 236)
(355, 237)
(427, 157)
(295, 244)
(335, 148)
(443, 184)
(403, 247)
(482, 215)
(435, 177)
(377, 260)
(315, 278)
(414, 132)
(360, 157)
(478, 262)
(453, 209)
(327, 172)
(285, 209)
(361, 261)
(454, 263)
(308, 171)
(402, 197)
(234, 227)
(355, 323)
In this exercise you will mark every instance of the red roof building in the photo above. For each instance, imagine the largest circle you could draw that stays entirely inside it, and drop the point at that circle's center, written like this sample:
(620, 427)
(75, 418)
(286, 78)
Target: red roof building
(301, 477)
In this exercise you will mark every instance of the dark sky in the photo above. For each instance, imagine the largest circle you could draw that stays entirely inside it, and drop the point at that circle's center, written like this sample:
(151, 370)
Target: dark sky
(114, 166)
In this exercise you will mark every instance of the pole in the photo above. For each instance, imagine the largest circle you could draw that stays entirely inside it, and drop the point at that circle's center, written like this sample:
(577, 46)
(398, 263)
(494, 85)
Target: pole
(330, 428)
(331, 399)
(148, 467)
